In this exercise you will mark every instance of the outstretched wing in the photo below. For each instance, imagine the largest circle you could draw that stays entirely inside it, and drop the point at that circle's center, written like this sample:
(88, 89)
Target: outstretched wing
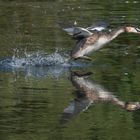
(69, 30)
(80, 32)
(98, 26)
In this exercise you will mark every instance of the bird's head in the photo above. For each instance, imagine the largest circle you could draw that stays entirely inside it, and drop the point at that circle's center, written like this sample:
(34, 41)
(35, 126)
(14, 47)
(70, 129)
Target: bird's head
(131, 106)
(132, 29)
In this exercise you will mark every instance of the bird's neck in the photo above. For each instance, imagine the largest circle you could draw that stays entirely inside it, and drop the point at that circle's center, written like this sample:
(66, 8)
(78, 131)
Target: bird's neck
(116, 32)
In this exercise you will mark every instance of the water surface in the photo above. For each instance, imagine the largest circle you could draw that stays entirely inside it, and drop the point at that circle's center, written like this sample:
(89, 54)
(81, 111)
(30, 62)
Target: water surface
(43, 93)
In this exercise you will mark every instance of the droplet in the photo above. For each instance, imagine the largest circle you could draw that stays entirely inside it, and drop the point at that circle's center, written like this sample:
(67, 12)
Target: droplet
(126, 1)
(125, 73)
(135, 1)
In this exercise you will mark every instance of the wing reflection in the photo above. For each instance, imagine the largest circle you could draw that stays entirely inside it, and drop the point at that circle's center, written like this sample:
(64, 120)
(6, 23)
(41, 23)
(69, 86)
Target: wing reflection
(88, 93)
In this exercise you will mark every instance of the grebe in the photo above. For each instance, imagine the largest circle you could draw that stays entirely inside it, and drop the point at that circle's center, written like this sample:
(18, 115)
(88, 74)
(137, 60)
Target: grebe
(93, 38)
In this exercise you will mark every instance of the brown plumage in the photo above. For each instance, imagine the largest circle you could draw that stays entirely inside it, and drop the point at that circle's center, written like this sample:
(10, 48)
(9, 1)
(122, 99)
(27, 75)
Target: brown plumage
(90, 41)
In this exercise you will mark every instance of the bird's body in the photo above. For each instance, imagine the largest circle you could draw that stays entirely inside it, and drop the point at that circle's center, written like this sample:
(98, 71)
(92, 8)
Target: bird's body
(87, 45)
(93, 38)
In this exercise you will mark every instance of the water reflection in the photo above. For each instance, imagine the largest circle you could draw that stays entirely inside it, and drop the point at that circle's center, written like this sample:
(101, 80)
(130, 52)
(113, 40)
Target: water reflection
(88, 93)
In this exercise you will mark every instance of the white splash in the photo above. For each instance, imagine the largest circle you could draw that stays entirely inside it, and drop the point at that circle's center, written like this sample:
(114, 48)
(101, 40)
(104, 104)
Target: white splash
(38, 59)
(39, 64)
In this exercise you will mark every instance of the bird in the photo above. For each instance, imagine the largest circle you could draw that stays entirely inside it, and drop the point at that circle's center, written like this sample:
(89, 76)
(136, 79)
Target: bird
(93, 38)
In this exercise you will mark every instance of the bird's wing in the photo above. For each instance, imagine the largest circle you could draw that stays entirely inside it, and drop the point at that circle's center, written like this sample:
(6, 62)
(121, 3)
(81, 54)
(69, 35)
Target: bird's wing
(98, 26)
(80, 32)
(79, 44)
(69, 30)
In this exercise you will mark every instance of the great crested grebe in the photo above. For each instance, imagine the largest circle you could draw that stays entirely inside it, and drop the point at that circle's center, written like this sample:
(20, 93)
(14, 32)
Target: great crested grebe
(93, 38)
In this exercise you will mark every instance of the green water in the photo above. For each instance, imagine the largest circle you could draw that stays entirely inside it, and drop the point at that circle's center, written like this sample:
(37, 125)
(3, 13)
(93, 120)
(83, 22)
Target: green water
(32, 102)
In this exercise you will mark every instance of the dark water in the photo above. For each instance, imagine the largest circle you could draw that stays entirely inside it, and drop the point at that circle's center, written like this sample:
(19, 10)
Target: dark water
(46, 96)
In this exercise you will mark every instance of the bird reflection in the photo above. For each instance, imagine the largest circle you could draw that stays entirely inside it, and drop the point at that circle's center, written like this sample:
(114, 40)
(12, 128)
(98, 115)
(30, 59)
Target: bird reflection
(88, 93)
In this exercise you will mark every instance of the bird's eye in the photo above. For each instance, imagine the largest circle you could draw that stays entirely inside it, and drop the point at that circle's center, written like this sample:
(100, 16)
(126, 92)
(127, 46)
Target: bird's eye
(137, 29)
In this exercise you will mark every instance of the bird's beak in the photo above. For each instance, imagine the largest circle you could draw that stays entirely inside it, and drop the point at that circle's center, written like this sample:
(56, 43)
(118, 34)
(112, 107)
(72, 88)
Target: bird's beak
(138, 30)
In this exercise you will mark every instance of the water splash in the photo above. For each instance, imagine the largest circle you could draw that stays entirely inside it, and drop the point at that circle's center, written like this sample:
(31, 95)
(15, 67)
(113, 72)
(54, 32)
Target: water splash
(39, 63)
(39, 59)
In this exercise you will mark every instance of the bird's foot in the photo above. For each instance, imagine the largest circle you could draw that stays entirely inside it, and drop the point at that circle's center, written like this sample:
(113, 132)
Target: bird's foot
(79, 74)
(84, 57)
